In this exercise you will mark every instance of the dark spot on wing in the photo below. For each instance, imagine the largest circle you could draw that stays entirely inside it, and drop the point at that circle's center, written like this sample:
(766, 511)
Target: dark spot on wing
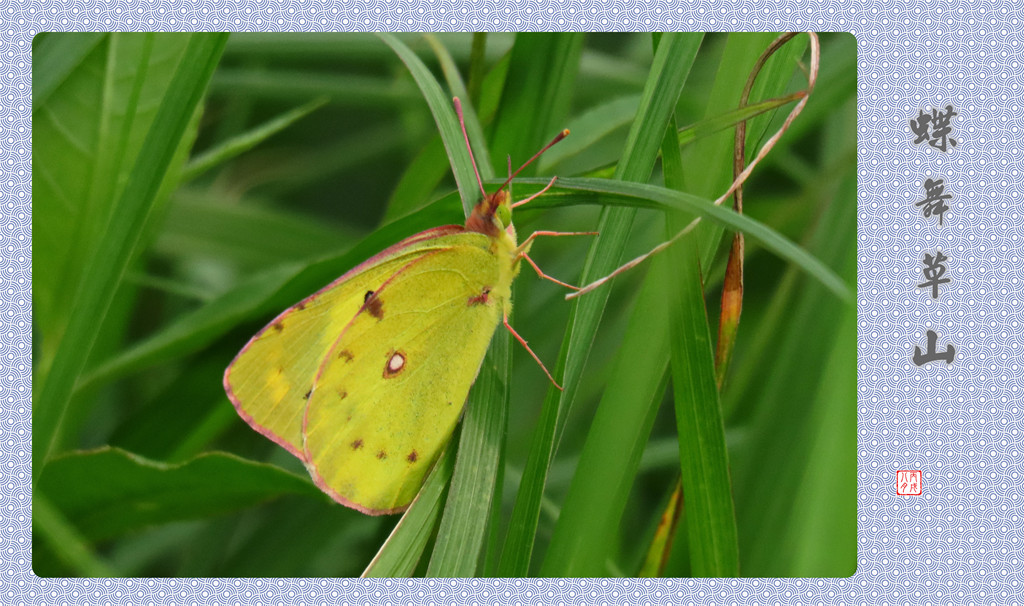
(301, 305)
(357, 444)
(342, 394)
(345, 355)
(413, 457)
(278, 326)
(308, 393)
(374, 306)
(382, 455)
(367, 296)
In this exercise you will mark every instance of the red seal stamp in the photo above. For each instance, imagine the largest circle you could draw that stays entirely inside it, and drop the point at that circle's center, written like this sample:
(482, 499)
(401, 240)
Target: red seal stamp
(908, 482)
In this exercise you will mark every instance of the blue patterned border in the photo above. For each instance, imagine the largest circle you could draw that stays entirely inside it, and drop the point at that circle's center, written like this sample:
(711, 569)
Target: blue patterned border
(961, 541)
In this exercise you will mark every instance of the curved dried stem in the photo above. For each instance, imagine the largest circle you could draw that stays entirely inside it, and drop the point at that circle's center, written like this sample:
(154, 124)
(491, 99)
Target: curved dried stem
(812, 76)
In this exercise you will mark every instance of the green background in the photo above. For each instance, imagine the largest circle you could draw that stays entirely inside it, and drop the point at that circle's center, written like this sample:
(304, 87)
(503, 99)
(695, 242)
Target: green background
(186, 190)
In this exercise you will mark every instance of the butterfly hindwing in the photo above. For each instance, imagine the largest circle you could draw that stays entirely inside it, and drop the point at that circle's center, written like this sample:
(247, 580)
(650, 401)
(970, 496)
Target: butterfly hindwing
(270, 379)
(390, 391)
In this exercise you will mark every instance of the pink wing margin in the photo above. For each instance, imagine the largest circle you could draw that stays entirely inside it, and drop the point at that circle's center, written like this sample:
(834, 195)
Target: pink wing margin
(297, 450)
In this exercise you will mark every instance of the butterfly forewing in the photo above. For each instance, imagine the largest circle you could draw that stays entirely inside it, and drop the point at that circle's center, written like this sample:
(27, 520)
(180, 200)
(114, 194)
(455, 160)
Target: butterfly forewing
(391, 389)
(271, 378)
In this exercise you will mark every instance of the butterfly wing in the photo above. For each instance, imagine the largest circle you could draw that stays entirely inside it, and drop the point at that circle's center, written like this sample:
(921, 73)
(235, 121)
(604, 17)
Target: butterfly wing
(389, 393)
(270, 379)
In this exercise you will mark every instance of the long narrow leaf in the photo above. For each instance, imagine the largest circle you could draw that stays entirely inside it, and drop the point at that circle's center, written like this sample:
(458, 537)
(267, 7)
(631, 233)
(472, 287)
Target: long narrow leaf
(137, 492)
(707, 492)
(468, 506)
(458, 88)
(588, 526)
(642, 195)
(707, 488)
(54, 56)
(246, 141)
(128, 222)
(466, 515)
(536, 95)
(65, 540)
(402, 550)
(447, 124)
(264, 293)
(668, 73)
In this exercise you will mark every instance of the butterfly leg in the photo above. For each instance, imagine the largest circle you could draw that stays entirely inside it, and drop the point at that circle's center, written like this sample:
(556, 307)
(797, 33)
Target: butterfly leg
(523, 341)
(525, 246)
(544, 275)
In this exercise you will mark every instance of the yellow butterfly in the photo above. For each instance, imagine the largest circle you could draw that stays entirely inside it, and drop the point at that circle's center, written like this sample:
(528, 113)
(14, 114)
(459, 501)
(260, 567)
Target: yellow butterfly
(365, 379)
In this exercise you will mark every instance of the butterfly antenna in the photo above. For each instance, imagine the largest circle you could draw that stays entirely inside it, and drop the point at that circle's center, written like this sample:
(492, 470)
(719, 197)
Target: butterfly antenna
(465, 135)
(558, 137)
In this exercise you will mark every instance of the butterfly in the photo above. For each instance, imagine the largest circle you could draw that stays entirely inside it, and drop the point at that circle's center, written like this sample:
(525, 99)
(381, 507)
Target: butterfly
(365, 380)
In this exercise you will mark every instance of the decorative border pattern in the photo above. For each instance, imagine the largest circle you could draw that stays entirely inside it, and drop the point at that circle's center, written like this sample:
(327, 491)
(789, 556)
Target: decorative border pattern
(961, 541)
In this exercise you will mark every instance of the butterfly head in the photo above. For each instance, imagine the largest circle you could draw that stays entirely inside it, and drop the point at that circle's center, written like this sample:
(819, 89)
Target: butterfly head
(492, 215)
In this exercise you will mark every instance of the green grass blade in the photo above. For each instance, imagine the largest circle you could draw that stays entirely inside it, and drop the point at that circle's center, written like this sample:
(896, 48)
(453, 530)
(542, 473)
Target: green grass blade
(86, 139)
(455, 84)
(137, 492)
(447, 124)
(402, 550)
(714, 124)
(54, 56)
(704, 459)
(668, 73)
(460, 537)
(642, 195)
(246, 141)
(430, 165)
(67, 544)
(127, 224)
(782, 400)
(588, 128)
(536, 96)
(704, 477)
(466, 515)
(707, 493)
(588, 526)
(659, 549)
(259, 297)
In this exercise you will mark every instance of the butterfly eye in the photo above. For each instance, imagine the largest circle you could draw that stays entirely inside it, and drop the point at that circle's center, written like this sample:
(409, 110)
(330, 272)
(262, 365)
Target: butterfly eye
(504, 214)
